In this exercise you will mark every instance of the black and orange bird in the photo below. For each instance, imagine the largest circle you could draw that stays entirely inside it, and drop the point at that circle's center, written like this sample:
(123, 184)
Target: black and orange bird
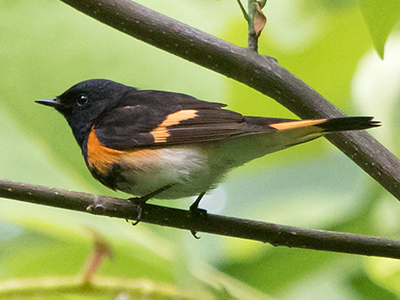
(168, 145)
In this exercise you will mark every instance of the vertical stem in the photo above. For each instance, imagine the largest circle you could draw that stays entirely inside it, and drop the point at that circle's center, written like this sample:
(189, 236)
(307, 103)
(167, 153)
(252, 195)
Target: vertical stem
(252, 41)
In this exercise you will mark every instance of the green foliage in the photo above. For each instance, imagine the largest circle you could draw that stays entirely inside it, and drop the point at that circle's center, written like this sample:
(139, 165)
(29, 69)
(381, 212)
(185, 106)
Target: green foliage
(47, 47)
(380, 17)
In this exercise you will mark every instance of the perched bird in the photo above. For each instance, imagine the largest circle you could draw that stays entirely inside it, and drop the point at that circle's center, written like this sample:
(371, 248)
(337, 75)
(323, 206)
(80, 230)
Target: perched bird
(168, 145)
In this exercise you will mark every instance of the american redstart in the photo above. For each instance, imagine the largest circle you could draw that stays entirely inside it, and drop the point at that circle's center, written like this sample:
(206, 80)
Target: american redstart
(169, 145)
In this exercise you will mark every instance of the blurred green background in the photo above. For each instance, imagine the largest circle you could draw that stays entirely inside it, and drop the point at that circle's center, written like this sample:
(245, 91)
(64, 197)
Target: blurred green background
(46, 47)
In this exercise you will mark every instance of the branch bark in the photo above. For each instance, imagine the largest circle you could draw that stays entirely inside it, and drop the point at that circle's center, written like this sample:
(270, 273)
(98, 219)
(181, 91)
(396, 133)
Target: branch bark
(260, 72)
(277, 235)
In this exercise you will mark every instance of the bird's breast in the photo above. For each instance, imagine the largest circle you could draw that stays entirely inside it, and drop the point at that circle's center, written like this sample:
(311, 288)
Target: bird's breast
(142, 171)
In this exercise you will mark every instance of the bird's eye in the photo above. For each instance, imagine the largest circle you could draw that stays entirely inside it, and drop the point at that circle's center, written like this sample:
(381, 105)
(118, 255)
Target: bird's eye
(82, 100)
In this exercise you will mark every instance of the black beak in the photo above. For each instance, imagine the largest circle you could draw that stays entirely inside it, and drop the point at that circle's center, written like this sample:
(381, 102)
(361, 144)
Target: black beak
(50, 102)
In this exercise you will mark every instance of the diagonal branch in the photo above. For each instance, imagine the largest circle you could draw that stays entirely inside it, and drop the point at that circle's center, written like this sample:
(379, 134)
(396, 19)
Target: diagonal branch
(260, 72)
(277, 235)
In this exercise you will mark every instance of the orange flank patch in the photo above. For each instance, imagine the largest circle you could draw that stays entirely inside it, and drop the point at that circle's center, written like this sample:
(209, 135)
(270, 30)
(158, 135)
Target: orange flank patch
(161, 133)
(101, 158)
(296, 124)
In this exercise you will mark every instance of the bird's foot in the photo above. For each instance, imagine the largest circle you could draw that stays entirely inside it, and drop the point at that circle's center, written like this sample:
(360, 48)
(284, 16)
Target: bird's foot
(197, 213)
(141, 201)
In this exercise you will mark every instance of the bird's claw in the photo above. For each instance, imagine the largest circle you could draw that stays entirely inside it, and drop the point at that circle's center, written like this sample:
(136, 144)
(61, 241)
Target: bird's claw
(141, 201)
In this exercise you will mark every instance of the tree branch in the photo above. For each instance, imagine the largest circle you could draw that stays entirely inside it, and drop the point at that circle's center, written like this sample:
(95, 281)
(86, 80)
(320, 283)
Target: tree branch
(260, 72)
(277, 235)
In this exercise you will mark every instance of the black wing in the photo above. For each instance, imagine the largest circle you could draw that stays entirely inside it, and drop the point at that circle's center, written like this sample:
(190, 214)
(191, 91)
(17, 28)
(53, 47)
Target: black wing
(157, 118)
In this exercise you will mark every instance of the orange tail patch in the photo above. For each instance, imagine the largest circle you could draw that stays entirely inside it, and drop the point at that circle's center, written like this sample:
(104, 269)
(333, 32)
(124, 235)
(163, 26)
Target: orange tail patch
(296, 124)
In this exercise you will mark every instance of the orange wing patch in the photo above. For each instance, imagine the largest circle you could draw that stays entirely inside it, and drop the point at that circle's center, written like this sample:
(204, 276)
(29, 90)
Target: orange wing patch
(160, 133)
(296, 124)
(102, 158)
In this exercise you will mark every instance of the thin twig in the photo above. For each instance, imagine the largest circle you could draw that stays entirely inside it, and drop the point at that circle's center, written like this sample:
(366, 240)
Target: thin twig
(243, 10)
(260, 72)
(277, 235)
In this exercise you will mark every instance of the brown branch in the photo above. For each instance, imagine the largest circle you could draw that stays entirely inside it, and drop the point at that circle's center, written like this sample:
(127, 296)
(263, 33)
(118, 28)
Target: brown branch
(277, 235)
(262, 73)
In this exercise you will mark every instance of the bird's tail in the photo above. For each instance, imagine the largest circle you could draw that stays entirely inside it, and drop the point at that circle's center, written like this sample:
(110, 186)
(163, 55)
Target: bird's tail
(280, 134)
(329, 125)
(348, 123)
(301, 131)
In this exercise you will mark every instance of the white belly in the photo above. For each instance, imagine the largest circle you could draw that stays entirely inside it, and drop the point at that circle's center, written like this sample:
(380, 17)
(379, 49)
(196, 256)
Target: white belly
(186, 169)
(191, 170)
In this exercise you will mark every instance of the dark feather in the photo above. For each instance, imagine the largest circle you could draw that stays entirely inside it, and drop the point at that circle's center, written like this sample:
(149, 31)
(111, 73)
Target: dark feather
(129, 123)
(348, 123)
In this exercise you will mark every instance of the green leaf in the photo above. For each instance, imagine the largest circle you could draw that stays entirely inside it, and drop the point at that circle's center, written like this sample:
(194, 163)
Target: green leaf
(368, 289)
(380, 17)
